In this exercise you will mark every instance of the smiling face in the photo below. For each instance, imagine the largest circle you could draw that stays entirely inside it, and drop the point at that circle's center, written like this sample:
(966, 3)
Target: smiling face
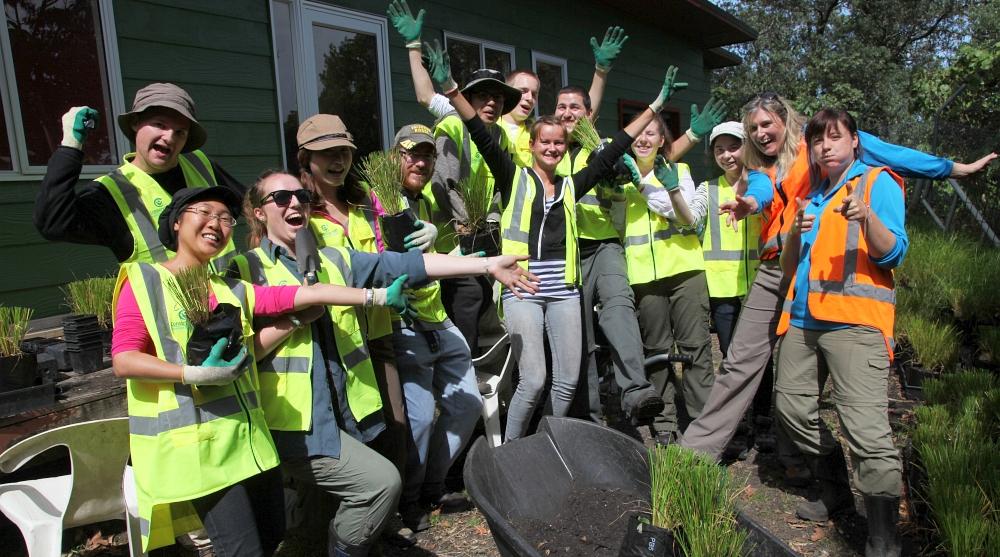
(728, 153)
(418, 166)
(160, 135)
(549, 146)
(488, 104)
(834, 150)
(570, 108)
(329, 167)
(648, 144)
(528, 85)
(281, 222)
(199, 233)
(767, 131)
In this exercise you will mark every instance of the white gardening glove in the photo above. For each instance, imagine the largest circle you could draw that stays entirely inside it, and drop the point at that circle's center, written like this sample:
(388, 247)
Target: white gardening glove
(423, 238)
(76, 124)
(215, 370)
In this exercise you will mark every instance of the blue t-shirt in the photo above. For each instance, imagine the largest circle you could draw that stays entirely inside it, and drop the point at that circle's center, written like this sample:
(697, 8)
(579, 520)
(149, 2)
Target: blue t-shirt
(886, 203)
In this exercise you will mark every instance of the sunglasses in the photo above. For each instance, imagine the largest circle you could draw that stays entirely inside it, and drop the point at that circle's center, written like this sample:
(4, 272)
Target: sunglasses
(282, 198)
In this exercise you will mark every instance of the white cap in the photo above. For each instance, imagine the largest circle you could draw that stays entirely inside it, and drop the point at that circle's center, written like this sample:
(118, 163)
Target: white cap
(734, 129)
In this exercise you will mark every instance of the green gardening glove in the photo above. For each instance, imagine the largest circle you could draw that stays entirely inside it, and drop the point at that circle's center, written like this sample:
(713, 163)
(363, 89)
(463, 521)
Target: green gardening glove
(669, 86)
(710, 116)
(633, 169)
(76, 124)
(404, 22)
(609, 49)
(439, 66)
(666, 173)
(216, 370)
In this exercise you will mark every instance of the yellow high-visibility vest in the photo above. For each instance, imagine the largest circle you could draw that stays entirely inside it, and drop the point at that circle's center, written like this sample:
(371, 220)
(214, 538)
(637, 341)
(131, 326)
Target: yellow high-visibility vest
(731, 258)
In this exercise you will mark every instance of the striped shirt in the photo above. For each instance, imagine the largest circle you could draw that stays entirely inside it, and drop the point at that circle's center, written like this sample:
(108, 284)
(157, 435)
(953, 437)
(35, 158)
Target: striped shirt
(551, 274)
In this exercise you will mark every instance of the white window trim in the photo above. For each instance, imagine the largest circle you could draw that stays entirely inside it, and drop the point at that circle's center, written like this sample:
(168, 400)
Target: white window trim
(552, 60)
(12, 106)
(305, 60)
(483, 45)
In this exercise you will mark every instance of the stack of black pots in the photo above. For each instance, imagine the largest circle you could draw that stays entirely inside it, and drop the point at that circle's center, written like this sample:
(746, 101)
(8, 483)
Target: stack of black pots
(84, 342)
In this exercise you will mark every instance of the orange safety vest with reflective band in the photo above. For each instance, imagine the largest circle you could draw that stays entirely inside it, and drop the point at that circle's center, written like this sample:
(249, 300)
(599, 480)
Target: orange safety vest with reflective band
(188, 441)
(845, 286)
(779, 215)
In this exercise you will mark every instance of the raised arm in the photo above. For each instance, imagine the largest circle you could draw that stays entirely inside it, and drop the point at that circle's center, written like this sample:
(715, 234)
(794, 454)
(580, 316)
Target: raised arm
(605, 54)
(665, 197)
(911, 163)
(701, 125)
(410, 28)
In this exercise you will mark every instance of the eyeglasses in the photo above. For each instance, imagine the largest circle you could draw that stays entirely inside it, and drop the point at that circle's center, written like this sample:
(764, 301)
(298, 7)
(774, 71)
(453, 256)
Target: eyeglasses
(225, 219)
(410, 157)
(282, 198)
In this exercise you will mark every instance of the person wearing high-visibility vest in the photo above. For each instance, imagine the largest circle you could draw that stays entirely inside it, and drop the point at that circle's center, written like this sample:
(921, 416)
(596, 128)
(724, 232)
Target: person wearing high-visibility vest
(345, 216)
(777, 160)
(847, 235)
(667, 274)
(121, 210)
(199, 441)
(539, 220)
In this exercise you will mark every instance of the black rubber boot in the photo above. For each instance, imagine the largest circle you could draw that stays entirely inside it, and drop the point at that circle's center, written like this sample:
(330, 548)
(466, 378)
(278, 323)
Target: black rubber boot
(883, 513)
(832, 493)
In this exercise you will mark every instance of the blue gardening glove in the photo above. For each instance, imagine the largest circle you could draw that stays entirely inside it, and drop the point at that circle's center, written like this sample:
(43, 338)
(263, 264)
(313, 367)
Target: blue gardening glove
(215, 370)
(669, 86)
(76, 124)
(439, 66)
(666, 173)
(404, 22)
(633, 169)
(423, 238)
(606, 52)
(710, 116)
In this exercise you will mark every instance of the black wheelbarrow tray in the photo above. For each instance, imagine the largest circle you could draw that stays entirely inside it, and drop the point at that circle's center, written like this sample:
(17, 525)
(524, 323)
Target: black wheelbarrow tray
(532, 477)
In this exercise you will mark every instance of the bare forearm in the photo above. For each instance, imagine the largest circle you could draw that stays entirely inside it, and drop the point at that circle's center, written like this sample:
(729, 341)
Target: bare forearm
(328, 295)
(139, 365)
(880, 239)
(270, 337)
(461, 104)
(636, 126)
(681, 210)
(680, 147)
(597, 85)
(422, 84)
(440, 266)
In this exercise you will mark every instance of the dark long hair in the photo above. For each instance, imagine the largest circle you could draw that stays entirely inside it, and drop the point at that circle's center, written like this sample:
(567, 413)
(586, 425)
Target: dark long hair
(827, 119)
(351, 192)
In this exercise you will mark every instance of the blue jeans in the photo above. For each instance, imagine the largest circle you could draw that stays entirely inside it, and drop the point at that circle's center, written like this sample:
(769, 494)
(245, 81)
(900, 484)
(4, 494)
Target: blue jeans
(448, 378)
(526, 321)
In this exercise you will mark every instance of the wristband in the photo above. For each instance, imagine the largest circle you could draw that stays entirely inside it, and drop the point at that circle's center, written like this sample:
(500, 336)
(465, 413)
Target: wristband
(369, 298)
(602, 69)
(414, 45)
(695, 138)
(449, 87)
(295, 320)
(380, 296)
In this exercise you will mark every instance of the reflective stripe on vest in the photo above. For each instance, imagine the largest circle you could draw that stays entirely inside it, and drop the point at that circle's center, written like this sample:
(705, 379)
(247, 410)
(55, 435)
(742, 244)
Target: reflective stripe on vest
(516, 222)
(779, 215)
(847, 300)
(187, 441)
(285, 376)
(730, 262)
(426, 300)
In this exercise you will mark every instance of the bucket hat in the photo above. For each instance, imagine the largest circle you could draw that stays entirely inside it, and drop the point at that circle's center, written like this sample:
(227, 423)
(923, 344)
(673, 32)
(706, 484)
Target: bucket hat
(166, 95)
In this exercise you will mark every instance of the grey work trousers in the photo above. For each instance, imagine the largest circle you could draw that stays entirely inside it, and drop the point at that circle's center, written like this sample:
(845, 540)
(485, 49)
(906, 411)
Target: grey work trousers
(857, 360)
(743, 367)
(605, 282)
(674, 310)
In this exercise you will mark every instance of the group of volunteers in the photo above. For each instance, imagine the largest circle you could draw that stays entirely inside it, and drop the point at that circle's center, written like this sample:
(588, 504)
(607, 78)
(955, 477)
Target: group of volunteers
(347, 370)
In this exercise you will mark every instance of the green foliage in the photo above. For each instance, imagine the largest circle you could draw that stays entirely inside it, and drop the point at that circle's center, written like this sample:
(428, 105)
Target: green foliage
(477, 196)
(383, 171)
(956, 439)
(935, 344)
(13, 325)
(693, 496)
(191, 288)
(92, 296)
(585, 134)
(989, 343)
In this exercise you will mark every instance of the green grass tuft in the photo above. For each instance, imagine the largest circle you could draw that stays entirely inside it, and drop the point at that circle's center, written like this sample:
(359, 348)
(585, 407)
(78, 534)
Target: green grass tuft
(383, 171)
(191, 288)
(92, 296)
(13, 326)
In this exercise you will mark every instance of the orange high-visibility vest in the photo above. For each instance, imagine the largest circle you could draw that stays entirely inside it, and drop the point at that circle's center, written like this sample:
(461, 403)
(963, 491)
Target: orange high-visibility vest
(778, 217)
(845, 286)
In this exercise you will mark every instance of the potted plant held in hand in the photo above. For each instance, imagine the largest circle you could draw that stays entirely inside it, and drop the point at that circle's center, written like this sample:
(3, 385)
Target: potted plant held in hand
(383, 171)
(191, 287)
(17, 369)
(477, 234)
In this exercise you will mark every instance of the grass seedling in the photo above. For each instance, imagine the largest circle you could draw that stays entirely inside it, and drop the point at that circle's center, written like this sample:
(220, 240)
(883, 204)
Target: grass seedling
(585, 134)
(989, 343)
(477, 195)
(934, 344)
(383, 171)
(92, 296)
(13, 326)
(191, 288)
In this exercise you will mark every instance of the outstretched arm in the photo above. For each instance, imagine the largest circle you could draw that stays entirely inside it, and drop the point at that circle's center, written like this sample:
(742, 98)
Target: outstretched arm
(605, 54)
(701, 126)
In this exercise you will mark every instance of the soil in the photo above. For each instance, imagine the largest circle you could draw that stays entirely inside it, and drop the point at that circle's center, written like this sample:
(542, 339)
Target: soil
(592, 522)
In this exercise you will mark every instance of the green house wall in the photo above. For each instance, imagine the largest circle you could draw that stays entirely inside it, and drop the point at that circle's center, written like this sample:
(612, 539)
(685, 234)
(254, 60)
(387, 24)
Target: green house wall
(221, 53)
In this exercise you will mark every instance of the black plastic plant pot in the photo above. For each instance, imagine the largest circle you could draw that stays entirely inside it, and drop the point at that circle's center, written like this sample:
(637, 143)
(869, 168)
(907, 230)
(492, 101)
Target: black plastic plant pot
(224, 322)
(18, 371)
(487, 241)
(28, 398)
(396, 227)
(88, 359)
(532, 478)
(642, 539)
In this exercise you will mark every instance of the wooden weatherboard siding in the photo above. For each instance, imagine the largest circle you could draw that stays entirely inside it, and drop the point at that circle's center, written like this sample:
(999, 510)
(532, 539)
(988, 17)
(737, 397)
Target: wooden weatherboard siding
(221, 53)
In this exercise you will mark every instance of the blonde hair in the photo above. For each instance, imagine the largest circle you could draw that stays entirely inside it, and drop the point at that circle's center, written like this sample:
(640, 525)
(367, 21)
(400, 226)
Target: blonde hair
(793, 121)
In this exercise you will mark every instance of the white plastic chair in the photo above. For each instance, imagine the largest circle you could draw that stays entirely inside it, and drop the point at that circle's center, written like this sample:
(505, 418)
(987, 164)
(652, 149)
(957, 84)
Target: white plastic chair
(492, 382)
(44, 507)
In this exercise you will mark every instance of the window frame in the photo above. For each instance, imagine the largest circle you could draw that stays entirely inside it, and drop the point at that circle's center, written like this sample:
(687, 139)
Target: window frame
(304, 14)
(552, 60)
(11, 105)
(483, 45)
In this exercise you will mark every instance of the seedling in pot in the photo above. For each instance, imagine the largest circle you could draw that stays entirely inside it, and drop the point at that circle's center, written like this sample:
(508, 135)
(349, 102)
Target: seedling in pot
(383, 171)
(13, 326)
(92, 296)
(191, 289)
(477, 233)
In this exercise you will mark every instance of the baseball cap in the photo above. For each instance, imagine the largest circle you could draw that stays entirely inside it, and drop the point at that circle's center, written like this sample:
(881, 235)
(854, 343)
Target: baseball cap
(166, 95)
(732, 128)
(184, 198)
(323, 131)
(411, 135)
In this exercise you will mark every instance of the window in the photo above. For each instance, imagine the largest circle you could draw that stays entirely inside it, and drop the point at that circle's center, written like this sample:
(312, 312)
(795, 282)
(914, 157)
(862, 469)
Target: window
(552, 75)
(333, 61)
(56, 54)
(468, 54)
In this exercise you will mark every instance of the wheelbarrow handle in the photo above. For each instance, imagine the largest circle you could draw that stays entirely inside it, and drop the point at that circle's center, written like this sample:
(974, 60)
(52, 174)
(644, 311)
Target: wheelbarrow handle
(660, 359)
